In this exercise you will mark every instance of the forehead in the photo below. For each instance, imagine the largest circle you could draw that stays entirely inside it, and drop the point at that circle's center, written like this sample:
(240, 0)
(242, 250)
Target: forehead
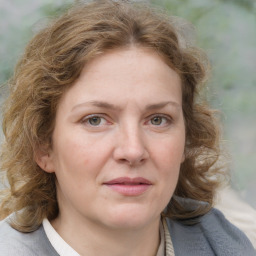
(127, 74)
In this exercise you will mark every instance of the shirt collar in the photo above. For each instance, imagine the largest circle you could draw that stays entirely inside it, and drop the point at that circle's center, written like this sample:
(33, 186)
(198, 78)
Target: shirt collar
(61, 247)
(64, 249)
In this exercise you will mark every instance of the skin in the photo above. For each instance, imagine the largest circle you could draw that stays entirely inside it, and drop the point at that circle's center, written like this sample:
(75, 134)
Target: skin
(121, 118)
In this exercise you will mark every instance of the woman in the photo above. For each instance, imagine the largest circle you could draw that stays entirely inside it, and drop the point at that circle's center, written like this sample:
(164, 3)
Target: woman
(108, 149)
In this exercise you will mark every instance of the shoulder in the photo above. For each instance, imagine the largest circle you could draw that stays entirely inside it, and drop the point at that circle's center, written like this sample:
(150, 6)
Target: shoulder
(222, 234)
(13, 242)
(212, 234)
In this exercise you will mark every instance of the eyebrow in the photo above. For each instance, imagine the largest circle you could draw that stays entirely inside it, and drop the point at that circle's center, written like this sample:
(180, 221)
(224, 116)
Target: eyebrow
(162, 105)
(99, 104)
(106, 105)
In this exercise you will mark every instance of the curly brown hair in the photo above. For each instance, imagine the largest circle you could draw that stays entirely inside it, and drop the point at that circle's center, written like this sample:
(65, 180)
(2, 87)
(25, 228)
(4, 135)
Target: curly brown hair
(53, 61)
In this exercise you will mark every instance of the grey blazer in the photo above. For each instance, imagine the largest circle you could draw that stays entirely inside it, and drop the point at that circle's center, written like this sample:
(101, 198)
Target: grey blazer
(211, 235)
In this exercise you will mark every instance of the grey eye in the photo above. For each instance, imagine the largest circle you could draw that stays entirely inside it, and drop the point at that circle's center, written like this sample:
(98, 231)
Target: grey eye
(94, 121)
(157, 120)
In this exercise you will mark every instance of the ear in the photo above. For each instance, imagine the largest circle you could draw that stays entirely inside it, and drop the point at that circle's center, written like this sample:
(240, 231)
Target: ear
(45, 160)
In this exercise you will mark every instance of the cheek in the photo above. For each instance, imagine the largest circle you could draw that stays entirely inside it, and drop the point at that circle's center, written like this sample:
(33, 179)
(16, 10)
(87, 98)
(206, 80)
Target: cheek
(74, 170)
(170, 152)
(168, 158)
(81, 156)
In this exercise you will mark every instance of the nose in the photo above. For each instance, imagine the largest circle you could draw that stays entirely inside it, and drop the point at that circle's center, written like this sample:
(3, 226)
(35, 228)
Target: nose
(130, 147)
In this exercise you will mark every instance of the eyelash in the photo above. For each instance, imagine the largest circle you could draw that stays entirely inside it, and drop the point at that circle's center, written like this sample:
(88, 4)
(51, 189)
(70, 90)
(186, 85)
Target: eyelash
(86, 120)
(167, 118)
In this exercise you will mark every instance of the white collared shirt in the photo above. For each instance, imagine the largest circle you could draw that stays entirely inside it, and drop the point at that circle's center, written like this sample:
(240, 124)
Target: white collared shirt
(60, 246)
(64, 249)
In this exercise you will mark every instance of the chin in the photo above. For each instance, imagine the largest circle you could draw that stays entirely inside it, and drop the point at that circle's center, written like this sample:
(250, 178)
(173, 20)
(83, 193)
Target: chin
(131, 218)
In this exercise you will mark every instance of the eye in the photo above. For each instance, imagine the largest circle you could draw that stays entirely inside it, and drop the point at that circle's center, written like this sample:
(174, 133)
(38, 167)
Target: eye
(94, 121)
(160, 120)
(156, 120)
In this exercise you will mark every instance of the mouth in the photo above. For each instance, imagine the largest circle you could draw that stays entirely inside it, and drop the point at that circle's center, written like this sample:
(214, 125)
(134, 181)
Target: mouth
(129, 186)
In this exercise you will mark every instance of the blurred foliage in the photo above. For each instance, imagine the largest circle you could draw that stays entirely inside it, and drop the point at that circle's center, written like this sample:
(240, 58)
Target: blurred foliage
(19, 20)
(248, 4)
(226, 29)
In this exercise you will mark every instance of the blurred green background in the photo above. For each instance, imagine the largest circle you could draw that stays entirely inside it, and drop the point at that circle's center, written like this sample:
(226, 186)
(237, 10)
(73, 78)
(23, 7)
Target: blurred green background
(225, 29)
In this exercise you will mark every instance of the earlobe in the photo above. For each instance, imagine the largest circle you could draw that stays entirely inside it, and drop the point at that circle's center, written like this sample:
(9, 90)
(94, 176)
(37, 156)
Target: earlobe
(45, 161)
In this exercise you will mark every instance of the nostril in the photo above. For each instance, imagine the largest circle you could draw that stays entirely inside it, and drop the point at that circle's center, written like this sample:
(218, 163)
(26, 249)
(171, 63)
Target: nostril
(132, 162)
(130, 150)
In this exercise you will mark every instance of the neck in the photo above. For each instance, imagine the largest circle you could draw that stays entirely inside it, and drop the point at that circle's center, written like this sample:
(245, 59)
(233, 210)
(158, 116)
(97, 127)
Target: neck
(92, 239)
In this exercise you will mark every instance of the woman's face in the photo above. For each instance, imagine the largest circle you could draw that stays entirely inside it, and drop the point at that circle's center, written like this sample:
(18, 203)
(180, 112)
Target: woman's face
(118, 140)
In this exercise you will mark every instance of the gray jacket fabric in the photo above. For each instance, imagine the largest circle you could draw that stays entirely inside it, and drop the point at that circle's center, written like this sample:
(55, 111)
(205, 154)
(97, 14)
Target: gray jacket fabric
(211, 235)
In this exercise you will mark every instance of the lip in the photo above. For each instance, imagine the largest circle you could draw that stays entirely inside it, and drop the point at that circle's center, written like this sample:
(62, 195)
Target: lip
(129, 186)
